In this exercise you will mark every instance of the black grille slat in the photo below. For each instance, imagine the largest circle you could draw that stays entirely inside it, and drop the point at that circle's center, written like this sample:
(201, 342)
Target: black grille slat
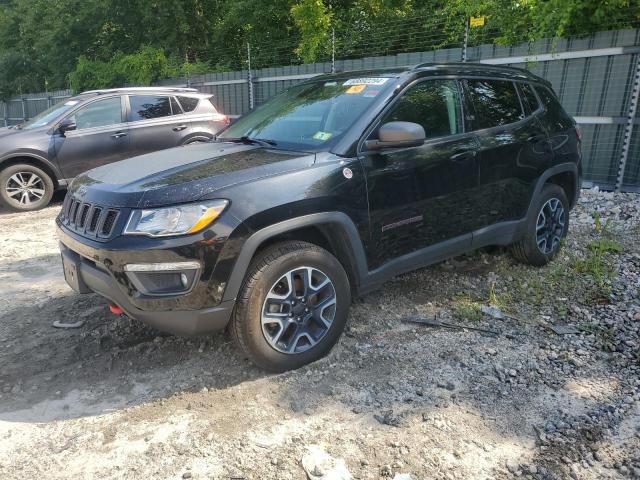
(109, 222)
(89, 220)
(83, 215)
(73, 210)
(95, 216)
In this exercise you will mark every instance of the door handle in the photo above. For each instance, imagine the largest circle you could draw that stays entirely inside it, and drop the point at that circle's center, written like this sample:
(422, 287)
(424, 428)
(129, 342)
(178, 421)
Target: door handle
(118, 135)
(459, 157)
(179, 128)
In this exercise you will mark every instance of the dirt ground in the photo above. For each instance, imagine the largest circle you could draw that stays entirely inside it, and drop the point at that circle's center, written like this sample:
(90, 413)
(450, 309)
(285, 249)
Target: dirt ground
(116, 399)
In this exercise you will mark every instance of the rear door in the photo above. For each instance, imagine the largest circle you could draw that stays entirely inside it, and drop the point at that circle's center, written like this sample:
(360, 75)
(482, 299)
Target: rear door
(204, 119)
(514, 148)
(156, 123)
(423, 196)
(101, 136)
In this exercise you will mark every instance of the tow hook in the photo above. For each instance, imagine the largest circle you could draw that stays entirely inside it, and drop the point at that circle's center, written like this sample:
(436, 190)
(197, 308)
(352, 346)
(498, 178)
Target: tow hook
(115, 309)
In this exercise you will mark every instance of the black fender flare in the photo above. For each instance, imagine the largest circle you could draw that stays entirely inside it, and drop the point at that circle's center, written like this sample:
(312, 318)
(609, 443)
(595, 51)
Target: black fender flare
(550, 172)
(251, 245)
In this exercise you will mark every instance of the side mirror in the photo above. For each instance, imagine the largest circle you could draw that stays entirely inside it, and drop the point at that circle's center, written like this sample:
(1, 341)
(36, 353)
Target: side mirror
(398, 135)
(66, 125)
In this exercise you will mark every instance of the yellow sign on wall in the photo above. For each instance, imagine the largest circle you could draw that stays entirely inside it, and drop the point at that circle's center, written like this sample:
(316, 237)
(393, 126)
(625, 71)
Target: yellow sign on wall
(477, 21)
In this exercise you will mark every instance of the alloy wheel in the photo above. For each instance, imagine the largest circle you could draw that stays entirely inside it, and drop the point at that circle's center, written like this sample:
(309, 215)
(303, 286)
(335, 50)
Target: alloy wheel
(550, 226)
(298, 310)
(25, 188)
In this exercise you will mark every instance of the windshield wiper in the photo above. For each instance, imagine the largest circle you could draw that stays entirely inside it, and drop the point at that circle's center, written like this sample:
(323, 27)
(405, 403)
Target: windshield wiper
(251, 141)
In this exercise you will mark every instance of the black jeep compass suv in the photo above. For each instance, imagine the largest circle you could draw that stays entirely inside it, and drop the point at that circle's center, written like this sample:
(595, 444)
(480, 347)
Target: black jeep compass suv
(321, 194)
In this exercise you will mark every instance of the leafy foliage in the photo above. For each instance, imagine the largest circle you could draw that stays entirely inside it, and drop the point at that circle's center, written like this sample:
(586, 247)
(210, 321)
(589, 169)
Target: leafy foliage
(46, 44)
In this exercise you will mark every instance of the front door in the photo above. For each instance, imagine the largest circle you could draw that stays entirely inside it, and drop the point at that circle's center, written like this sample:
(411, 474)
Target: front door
(101, 137)
(423, 196)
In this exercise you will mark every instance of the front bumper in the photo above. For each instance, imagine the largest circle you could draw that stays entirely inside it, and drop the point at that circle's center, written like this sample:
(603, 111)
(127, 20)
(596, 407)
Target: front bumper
(89, 268)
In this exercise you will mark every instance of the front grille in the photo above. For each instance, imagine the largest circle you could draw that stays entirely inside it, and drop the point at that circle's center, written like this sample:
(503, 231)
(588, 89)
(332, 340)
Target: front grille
(88, 219)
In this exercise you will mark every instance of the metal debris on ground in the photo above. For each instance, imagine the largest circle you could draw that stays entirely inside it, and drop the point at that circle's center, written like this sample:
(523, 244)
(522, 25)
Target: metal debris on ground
(59, 324)
(561, 329)
(437, 323)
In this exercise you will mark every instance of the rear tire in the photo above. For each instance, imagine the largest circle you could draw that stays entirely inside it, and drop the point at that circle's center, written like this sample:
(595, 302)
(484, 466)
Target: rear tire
(24, 187)
(547, 226)
(292, 307)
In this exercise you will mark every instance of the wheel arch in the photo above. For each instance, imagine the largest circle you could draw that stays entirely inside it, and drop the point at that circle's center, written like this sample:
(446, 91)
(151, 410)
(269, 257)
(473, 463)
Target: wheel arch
(36, 161)
(333, 231)
(566, 176)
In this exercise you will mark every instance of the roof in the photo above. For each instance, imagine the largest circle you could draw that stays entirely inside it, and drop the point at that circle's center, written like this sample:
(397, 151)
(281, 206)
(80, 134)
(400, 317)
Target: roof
(453, 68)
(141, 89)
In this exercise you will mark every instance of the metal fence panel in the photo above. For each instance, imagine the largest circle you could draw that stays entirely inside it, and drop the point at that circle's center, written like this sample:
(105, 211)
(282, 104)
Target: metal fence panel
(593, 77)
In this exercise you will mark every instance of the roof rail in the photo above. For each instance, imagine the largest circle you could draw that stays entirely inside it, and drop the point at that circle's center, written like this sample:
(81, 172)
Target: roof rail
(141, 89)
(466, 64)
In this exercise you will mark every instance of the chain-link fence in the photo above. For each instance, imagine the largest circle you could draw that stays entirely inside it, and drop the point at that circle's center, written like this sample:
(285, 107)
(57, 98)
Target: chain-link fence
(596, 76)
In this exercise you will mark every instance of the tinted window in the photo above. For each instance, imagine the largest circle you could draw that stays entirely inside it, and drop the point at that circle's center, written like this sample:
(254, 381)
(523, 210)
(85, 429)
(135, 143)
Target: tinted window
(175, 108)
(495, 103)
(554, 108)
(100, 113)
(189, 104)
(529, 97)
(434, 104)
(144, 107)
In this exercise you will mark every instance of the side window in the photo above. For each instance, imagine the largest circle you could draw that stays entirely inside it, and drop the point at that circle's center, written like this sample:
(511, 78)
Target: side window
(100, 113)
(529, 97)
(495, 103)
(145, 107)
(189, 104)
(434, 104)
(554, 107)
(175, 107)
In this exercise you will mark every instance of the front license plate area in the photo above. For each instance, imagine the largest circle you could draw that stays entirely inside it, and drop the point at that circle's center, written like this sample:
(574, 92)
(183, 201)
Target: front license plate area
(71, 267)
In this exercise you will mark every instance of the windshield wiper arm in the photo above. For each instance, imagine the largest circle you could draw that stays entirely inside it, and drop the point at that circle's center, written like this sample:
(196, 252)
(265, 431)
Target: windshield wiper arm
(252, 141)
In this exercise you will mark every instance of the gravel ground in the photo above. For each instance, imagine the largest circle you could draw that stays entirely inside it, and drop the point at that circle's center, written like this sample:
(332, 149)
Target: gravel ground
(115, 399)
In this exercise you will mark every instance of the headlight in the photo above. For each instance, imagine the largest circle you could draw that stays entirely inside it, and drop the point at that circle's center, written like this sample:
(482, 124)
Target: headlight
(178, 220)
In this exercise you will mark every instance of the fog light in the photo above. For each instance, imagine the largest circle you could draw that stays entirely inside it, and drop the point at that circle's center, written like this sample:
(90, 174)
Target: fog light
(157, 279)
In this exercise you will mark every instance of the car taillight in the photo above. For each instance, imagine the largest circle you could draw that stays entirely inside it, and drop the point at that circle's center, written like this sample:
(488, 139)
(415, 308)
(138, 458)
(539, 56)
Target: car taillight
(219, 117)
(578, 132)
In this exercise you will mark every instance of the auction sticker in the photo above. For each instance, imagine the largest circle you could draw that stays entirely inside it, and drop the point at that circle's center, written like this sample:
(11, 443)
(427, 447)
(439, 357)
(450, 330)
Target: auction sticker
(355, 89)
(366, 81)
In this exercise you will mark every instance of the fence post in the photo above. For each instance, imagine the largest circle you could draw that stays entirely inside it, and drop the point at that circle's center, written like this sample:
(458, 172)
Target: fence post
(49, 101)
(6, 113)
(333, 50)
(466, 40)
(24, 109)
(628, 129)
(250, 77)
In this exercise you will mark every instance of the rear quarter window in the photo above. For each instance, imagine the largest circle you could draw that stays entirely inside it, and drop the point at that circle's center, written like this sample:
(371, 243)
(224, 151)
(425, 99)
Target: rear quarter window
(553, 107)
(189, 104)
(529, 97)
(494, 103)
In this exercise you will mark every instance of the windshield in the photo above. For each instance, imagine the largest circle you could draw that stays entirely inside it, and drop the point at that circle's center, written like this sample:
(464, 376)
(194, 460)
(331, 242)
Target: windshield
(311, 116)
(50, 115)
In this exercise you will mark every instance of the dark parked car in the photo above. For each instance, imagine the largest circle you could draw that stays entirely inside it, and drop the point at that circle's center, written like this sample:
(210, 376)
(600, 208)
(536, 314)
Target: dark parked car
(322, 194)
(95, 128)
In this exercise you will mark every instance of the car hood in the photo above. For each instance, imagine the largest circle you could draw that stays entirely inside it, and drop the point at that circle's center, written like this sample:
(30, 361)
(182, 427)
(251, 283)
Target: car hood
(183, 174)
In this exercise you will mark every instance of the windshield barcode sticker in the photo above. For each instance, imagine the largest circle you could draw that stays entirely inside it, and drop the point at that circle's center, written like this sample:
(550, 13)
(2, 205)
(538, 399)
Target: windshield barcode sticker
(366, 81)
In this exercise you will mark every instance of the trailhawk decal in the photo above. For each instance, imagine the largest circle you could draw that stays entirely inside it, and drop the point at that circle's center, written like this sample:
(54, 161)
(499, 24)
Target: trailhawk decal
(406, 221)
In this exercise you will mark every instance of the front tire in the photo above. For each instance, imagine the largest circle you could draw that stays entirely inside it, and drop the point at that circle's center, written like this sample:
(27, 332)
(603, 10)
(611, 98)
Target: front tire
(546, 228)
(292, 307)
(24, 187)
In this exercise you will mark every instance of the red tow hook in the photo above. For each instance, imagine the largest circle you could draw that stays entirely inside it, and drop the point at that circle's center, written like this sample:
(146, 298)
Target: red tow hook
(115, 309)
